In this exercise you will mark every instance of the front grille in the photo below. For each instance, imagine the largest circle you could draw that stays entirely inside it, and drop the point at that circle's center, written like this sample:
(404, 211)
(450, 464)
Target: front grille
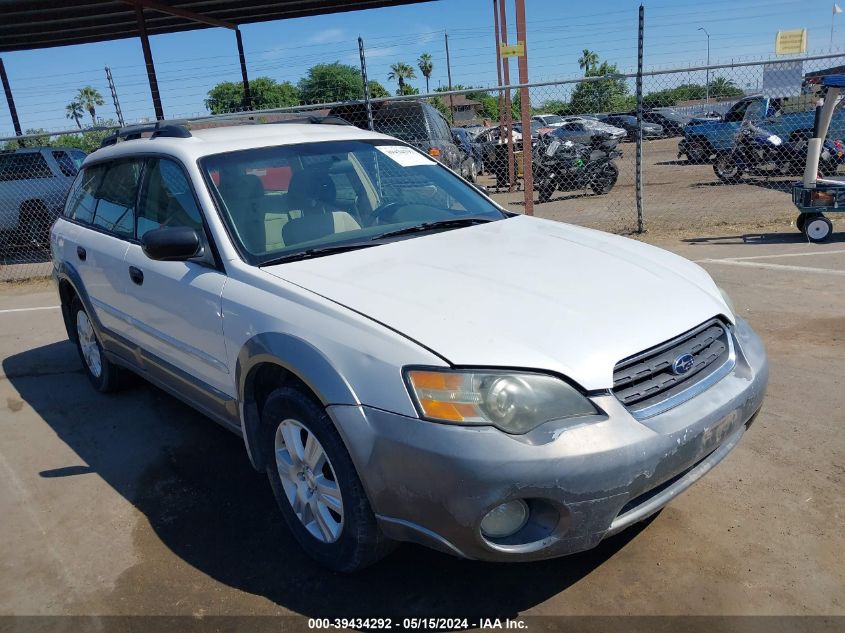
(646, 380)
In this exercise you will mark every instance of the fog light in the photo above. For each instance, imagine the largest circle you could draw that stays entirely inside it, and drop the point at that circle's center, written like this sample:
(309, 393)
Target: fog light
(505, 519)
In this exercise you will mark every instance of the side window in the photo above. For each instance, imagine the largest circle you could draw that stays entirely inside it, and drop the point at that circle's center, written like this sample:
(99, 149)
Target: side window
(23, 166)
(116, 197)
(66, 164)
(167, 198)
(737, 112)
(82, 200)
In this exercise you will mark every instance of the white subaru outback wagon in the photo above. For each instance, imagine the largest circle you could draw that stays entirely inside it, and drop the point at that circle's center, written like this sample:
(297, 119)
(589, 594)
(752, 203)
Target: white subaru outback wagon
(405, 360)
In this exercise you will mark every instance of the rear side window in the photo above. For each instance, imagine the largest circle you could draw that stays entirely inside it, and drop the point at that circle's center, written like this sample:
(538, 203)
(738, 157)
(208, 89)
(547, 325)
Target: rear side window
(116, 197)
(167, 198)
(82, 200)
(23, 166)
(66, 164)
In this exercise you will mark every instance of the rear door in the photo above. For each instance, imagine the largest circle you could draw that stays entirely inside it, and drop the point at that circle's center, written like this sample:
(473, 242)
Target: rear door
(176, 306)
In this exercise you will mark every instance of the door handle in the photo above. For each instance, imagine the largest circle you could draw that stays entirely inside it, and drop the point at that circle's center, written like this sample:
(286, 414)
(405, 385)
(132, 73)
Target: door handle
(136, 275)
(81, 253)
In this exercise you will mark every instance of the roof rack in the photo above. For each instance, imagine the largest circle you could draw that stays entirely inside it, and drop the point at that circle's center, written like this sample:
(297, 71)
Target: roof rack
(317, 120)
(157, 129)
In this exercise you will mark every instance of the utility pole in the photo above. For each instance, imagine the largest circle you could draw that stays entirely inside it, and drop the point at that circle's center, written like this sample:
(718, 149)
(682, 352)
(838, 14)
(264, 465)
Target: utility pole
(449, 77)
(525, 109)
(10, 100)
(498, 62)
(366, 83)
(707, 85)
(639, 157)
(508, 138)
(148, 61)
(117, 110)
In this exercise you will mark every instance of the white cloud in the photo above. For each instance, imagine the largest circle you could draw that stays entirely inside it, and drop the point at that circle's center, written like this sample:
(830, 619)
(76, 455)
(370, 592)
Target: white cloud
(326, 36)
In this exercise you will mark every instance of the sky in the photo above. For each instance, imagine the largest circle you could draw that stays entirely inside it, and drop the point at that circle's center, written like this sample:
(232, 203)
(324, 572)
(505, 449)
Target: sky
(188, 64)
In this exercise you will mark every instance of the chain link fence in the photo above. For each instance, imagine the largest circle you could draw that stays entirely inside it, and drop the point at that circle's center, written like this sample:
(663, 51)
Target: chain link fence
(721, 145)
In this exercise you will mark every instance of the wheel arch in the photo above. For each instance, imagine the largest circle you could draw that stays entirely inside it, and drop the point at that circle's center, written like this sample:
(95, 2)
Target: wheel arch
(70, 286)
(269, 360)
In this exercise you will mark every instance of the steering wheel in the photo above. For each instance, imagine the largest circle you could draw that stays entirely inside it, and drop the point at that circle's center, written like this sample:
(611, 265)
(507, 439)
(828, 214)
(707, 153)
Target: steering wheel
(385, 212)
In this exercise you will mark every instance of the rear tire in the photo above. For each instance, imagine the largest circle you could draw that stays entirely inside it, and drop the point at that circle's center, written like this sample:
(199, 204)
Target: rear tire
(605, 179)
(316, 485)
(800, 221)
(103, 374)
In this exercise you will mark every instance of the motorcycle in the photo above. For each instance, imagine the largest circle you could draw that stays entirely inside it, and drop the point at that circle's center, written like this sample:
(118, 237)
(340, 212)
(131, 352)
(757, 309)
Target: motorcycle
(758, 152)
(567, 166)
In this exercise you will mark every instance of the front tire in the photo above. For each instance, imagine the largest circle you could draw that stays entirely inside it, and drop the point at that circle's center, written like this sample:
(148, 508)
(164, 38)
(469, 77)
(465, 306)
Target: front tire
(604, 180)
(316, 486)
(697, 152)
(727, 169)
(103, 374)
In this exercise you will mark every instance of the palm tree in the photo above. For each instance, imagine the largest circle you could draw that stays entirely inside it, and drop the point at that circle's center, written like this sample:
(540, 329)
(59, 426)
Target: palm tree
(89, 98)
(588, 60)
(401, 71)
(720, 87)
(426, 66)
(74, 110)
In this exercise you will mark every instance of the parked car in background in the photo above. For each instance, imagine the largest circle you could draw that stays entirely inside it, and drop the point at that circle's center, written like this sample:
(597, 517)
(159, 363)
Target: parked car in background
(583, 132)
(791, 120)
(416, 122)
(629, 124)
(489, 139)
(465, 140)
(548, 120)
(413, 364)
(594, 123)
(536, 127)
(33, 185)
(672, 122)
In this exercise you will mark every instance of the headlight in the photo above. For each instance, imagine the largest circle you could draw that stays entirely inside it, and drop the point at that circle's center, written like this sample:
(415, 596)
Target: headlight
(774, 139)
(514, 402)
(727, 299)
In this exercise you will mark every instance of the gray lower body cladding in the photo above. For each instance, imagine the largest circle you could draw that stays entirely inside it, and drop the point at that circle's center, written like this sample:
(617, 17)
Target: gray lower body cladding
(433, 483)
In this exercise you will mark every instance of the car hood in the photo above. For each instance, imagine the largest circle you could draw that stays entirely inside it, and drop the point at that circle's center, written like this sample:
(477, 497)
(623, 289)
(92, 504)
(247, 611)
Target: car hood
(520, 293)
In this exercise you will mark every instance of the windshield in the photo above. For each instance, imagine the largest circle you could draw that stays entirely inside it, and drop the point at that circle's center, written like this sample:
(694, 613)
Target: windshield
(279, 201)
(553, 118)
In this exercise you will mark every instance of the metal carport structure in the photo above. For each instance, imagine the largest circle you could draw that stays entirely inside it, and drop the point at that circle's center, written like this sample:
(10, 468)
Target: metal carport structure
(33, 24)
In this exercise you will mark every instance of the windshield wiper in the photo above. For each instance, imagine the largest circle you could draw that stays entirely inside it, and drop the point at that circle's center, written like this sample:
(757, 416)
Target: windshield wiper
(311, 253)
(453, 223)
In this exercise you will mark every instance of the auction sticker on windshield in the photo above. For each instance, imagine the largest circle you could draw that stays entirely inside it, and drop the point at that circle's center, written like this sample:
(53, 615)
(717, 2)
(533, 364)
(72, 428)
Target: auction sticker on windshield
(405, 156)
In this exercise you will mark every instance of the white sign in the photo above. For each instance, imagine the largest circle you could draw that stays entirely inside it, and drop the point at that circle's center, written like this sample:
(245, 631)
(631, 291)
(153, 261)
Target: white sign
(405, 156)
(782, 79)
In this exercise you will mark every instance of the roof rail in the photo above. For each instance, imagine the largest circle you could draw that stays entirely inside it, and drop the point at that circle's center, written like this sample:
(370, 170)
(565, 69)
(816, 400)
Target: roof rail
(157, 129)
(330, 119)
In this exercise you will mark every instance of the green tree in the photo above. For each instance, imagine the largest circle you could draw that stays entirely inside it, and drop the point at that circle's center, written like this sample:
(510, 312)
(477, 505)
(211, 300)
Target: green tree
(377, 91)
(588, 60)
(400, 71)
(228, 96)
(722, 87)
(327, 83)
(74, 111)
(89, 98)
(604, 95)
(426, 66)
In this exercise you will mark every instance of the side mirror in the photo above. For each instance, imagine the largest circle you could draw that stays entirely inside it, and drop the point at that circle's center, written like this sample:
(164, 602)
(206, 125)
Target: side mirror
(171, 243)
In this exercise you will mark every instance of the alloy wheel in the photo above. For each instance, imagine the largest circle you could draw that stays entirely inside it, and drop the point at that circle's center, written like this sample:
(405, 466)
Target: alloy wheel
(88, 344)
(309, 481)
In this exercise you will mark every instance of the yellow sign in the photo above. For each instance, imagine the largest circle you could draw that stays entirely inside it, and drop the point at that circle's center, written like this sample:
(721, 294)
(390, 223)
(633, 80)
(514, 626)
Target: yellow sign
(791, 42)
(513, 50)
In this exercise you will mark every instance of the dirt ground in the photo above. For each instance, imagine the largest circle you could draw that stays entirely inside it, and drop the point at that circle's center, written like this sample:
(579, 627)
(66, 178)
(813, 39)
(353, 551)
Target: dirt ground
(134, 504)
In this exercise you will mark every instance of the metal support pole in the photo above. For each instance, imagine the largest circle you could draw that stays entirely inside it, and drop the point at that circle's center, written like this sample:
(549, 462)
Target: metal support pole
(114, 99)
(525, 109)
(507, 115)
(707, 72)
(148, 60)
(639, 165)
(498, 63)
(449, 77)
(244, 76)
(366, 83)
(10, 100)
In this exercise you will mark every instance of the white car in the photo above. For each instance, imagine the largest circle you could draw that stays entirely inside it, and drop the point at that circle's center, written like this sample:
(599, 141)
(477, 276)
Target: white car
(405, 360)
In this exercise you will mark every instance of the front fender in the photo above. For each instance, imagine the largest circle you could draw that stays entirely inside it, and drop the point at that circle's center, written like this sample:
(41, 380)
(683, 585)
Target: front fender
(296, 356)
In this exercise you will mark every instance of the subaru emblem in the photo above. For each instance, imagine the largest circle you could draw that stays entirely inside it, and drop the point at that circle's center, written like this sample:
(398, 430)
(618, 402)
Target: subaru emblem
(682, 364)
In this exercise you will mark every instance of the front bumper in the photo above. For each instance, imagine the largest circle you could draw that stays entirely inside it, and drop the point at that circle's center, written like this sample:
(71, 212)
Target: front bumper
(433, 483)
